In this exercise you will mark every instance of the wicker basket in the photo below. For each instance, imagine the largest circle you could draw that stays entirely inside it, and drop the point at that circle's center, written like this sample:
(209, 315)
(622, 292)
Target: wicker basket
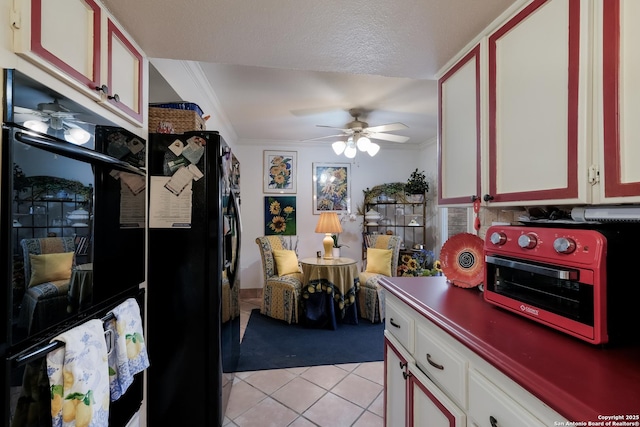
(169, 120)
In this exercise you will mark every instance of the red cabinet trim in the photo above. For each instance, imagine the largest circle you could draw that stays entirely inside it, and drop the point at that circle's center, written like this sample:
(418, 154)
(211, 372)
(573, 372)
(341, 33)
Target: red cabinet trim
(571, 190)
(113, 31)
(37, 48)
(613, 185)
(474, 54)
(427, 392)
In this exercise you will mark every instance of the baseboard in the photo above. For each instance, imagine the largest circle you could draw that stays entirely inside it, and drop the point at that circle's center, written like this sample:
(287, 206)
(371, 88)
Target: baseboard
(251, 293)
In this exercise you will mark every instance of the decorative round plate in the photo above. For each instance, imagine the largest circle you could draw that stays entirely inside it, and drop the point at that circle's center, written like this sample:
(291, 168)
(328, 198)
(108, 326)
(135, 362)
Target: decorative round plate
(462, 260)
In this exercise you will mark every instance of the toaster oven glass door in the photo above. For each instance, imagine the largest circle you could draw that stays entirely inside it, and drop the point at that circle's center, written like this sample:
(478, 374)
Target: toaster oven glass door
(552, 288)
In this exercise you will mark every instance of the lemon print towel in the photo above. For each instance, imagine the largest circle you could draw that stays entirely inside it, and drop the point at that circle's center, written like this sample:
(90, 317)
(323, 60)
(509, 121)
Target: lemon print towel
(129, 353)
(79, 378)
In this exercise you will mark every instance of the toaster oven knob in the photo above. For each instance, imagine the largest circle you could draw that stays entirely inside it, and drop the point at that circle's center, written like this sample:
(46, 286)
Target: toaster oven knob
(498, 238)
(527, 241)
(564, 245)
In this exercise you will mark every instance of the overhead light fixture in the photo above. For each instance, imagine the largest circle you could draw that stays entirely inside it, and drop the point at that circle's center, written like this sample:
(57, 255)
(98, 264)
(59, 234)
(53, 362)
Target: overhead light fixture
(72, 134)
(354, 143)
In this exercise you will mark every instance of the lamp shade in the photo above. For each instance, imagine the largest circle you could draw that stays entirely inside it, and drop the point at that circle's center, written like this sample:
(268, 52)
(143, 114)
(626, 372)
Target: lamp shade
(329, 223)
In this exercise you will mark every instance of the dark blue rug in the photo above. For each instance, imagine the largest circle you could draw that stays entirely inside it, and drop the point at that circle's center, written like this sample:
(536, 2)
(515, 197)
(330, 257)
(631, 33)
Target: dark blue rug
(274, 344)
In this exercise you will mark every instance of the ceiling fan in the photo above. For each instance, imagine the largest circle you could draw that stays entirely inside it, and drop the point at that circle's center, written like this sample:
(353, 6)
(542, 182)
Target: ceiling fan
(59, 118)
(358, 134)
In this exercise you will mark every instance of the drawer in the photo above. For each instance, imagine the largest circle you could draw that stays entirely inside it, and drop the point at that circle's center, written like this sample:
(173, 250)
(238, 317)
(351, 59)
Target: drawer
(445, 366)
(400, 324)
(489, 405)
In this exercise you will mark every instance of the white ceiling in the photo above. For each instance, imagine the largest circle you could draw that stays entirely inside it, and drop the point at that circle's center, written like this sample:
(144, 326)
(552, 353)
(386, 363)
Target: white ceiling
(281, 67)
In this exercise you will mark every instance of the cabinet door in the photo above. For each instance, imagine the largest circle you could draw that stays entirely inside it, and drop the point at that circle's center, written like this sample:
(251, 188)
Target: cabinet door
(459, 129)
(538, 86)
(64, 34)
(395, 405)
(620, 103)
(124, 74)
(428, 406)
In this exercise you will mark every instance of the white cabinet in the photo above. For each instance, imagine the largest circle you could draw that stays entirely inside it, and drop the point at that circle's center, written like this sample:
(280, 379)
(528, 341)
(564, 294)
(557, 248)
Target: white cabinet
(619, 106)
(459, 174)
(79, 43)
(541, 111)
(415, 400)
(440, 382)
(395, 361)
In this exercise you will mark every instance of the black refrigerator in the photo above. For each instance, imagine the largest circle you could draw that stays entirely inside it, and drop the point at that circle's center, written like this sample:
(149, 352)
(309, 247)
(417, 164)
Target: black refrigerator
(193, 287)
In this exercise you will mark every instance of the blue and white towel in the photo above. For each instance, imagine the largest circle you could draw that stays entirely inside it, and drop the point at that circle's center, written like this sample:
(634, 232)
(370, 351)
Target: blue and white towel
(79, 377)
(129, 353)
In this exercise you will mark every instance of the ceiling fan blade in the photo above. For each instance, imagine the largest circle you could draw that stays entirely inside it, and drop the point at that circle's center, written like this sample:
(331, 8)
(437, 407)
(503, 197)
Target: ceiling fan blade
(389, 127)
(388, 137)
(324, 137)
(332, 127)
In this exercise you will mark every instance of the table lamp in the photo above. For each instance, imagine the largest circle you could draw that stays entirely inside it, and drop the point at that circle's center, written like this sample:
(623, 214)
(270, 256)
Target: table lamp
(329, 223)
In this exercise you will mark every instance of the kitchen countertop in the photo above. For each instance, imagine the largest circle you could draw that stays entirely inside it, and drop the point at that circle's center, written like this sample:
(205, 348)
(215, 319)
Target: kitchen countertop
(578, 380)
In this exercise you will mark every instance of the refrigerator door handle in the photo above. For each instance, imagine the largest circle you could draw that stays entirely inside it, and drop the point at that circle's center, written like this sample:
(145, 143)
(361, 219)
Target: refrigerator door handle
(231, 273)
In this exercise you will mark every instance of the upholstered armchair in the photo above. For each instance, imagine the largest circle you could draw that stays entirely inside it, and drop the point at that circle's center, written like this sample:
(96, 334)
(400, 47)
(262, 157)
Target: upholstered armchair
(381, 261)
(282, 289)
(48, 263)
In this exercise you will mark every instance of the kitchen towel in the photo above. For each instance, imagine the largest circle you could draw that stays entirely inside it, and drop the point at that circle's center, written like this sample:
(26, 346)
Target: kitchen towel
(129, 353)
(79, 377)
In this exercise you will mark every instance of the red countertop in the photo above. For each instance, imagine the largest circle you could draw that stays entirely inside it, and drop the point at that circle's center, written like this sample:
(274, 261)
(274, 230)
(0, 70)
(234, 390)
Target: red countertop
(578, 380)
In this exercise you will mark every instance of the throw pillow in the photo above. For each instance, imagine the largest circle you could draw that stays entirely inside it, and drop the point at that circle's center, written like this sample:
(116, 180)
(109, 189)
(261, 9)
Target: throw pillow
(379, 261)
(286, 261)
(50, 267)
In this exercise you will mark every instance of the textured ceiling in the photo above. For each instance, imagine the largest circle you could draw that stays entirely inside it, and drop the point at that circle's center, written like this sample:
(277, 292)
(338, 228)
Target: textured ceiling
(280, 67)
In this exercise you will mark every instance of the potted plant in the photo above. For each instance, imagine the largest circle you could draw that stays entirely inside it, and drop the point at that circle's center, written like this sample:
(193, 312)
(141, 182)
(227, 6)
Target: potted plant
(416, 186)
(336, 245)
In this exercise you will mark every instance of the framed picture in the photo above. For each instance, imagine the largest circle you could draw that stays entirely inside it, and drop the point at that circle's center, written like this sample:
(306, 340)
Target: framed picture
(280, 215)
(280, 171)
(331, 187)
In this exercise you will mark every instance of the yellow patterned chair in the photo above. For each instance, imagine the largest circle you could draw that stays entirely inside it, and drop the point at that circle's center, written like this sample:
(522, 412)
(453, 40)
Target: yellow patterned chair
(45, 301)
(281, 293)
(371, 295)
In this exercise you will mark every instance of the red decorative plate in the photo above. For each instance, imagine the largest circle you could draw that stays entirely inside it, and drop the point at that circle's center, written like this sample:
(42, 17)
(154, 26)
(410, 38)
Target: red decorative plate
(462, 260)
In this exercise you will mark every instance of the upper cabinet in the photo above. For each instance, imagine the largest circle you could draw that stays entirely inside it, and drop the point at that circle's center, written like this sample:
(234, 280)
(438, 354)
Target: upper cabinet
(78, 42)
(619, 107)
(554, 123)
(459, 146)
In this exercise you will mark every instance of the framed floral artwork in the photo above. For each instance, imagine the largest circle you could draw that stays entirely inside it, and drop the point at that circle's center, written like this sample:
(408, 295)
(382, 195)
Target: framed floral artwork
(280, 215)
(331, 187)
(280, 174)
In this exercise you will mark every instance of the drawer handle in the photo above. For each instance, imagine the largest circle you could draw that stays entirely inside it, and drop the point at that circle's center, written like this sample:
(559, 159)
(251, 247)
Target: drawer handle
(434, 364)
(394, 323)
(493, 421)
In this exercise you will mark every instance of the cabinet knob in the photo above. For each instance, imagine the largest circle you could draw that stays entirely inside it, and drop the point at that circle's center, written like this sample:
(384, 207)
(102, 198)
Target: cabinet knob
(104, 89)
(406, 374)
(115, 97)
(402, 365)
(493, 421)
(474, 198)
(488, 197)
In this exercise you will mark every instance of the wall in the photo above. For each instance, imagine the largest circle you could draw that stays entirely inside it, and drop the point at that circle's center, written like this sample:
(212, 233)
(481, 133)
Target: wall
(389, 165)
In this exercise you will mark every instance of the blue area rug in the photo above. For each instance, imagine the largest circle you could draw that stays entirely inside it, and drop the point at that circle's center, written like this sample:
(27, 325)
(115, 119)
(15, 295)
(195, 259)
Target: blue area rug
(274, 344)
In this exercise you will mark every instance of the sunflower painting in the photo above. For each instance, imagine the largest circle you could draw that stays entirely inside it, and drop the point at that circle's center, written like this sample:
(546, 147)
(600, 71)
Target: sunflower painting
(280, 171)
(331, 184)
(280, 216)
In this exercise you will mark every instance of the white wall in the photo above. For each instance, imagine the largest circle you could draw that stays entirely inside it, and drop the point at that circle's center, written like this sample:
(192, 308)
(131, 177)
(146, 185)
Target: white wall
(389, 165)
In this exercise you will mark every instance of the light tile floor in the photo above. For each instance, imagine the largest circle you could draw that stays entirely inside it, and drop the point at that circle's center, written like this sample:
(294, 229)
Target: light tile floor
(325, 396)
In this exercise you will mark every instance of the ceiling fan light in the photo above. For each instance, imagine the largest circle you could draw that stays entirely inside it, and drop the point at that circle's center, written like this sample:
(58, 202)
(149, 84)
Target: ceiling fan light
(363, 143)
(350, 151)
(338, 147)
(77, 136)
(36, 125)
(373, 149)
